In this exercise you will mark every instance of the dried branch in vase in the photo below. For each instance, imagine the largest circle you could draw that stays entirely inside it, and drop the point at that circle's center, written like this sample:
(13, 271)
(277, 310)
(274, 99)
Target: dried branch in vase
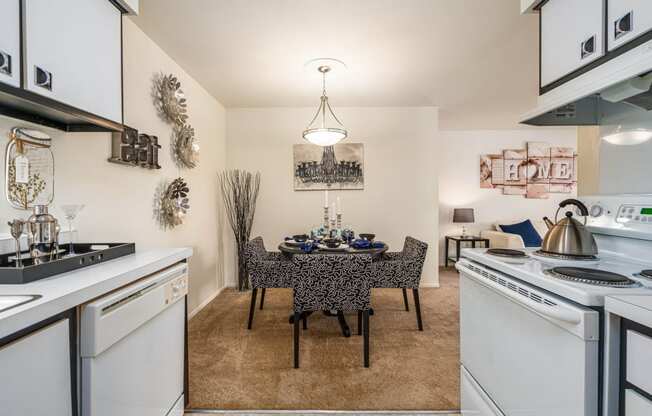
(240, 191)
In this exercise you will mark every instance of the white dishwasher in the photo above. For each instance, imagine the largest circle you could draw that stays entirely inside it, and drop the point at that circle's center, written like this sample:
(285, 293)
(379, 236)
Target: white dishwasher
(132, 348)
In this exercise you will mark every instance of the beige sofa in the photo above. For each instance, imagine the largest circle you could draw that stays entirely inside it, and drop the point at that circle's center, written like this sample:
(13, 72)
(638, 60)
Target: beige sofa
(499, 239)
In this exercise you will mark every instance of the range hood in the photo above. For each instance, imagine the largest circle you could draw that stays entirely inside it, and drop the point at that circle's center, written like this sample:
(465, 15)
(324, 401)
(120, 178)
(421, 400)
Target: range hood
(620, 86)
(631, 95)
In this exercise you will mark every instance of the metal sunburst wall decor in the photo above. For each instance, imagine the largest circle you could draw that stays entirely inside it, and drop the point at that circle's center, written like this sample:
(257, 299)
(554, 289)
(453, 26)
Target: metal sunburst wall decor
(185, 149)
(169, 99)
(171, 203)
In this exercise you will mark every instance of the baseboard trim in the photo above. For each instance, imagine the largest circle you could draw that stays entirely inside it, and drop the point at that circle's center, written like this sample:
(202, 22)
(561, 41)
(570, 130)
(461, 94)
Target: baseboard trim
(190, 412)
(204, 303)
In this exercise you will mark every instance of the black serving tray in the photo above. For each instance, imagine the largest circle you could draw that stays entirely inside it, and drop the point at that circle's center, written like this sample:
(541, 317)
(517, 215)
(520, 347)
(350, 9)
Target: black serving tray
(85, 256)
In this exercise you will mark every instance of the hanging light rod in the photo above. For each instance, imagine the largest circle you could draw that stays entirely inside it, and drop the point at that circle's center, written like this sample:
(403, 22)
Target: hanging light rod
(325, 129)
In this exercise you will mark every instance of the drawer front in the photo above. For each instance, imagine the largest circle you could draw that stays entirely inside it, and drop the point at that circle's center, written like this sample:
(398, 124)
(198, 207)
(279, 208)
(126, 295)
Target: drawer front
(627, 20)
(639, 360)
(571, 37)
(637, 405)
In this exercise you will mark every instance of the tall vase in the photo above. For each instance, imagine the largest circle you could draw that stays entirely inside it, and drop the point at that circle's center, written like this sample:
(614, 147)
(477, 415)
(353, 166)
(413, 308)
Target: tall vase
(243, 274)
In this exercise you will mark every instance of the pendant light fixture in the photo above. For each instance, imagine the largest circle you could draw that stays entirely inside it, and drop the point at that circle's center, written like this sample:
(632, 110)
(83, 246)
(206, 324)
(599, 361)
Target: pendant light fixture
(325, 129)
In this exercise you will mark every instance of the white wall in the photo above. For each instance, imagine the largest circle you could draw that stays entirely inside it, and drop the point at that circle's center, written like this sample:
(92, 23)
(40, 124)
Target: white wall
(459, 177)
(119, 199)
(400, 195)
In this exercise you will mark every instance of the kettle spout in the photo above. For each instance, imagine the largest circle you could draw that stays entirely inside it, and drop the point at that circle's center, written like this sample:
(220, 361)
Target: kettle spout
(549, 223)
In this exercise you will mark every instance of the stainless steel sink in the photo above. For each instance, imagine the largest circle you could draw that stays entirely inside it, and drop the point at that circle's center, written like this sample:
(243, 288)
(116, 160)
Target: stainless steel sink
(12, 301)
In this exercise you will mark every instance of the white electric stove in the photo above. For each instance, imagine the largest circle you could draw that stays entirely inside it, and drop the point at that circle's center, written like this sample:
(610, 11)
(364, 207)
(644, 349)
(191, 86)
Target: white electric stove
(532, 328)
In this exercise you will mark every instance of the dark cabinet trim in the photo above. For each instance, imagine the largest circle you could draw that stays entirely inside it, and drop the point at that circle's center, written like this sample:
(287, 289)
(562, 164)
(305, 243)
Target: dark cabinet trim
(71, 316)
(608, 56)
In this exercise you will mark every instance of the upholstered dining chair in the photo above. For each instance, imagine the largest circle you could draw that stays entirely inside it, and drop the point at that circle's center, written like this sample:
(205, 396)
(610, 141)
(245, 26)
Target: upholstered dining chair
(402, 270)
(326, 282)
(266, 270)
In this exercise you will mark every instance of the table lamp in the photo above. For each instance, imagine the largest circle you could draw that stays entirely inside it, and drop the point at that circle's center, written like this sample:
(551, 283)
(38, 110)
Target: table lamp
(463, 216)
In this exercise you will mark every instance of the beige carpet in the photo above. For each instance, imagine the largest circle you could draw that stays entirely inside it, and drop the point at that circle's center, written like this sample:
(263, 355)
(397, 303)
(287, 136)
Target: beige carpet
(233, 368)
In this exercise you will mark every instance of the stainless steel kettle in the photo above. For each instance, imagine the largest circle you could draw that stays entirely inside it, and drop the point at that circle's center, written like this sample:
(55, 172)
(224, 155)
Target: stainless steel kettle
(568, 236)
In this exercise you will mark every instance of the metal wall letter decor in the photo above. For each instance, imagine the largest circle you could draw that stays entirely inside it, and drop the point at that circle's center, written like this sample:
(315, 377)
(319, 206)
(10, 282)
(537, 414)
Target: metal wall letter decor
(185, 150)
(169, 99)
(133, 149)
(171, 203)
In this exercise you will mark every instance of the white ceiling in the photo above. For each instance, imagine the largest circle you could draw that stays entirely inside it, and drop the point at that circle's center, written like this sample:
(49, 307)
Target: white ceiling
(475, 59)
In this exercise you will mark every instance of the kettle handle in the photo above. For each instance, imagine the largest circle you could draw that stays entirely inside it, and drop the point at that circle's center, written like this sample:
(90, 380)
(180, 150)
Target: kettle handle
(584, 211)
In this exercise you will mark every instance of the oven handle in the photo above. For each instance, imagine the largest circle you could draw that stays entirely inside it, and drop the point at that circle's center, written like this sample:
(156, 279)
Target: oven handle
(557, 312)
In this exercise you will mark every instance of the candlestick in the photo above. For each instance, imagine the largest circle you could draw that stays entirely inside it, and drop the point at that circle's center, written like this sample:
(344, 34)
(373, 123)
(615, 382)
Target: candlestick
(333, 211)
(326, 226)
(339, 220)
(326, 198)
(339, 205)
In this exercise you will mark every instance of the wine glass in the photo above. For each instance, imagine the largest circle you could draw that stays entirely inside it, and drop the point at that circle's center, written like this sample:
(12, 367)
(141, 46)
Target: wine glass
(71, 211)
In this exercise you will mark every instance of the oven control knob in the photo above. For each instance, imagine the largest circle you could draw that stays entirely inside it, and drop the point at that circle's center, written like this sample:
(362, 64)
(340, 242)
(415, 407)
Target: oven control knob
(596, 211)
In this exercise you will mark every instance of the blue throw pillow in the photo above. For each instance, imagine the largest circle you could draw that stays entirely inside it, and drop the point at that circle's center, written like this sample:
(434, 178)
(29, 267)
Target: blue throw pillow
(526, 230)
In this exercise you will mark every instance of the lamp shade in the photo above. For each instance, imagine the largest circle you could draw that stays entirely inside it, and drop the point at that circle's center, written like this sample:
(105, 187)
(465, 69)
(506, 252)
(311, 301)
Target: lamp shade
(463, 215)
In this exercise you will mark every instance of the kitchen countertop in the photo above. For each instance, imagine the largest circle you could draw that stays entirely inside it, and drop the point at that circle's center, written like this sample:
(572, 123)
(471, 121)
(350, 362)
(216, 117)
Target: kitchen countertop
(68, 290)
(637, 308)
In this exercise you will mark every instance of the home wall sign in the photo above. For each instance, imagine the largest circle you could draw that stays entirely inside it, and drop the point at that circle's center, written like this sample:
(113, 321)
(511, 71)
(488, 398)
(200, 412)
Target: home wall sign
(332, 167)
(534, 172)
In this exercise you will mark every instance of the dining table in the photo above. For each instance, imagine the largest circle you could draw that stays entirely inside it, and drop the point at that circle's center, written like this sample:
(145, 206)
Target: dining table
(291, 248)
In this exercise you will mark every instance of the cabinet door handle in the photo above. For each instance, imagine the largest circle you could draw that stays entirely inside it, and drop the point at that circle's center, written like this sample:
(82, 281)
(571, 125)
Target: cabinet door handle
(588, 47)
(42, 78)
(5, 63)
(624, 25)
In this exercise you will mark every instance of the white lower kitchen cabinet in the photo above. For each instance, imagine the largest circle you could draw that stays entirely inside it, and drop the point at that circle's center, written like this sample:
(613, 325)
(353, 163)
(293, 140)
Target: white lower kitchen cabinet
(36, 373)
(571, 37)
(10, 42)
(80, 66)
(627, 20)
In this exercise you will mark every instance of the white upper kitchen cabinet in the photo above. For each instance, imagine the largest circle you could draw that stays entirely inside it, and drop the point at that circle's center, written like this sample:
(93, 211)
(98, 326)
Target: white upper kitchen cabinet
(571, 36)
(10, 42)
(73, 54)
(626, 20)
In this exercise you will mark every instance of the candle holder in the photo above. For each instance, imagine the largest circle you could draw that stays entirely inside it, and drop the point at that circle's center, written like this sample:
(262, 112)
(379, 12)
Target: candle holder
(326, 220)
(333, 224)
(339, 221)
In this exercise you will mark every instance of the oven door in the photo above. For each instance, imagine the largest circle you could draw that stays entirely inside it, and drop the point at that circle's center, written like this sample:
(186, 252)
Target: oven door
(531, 352)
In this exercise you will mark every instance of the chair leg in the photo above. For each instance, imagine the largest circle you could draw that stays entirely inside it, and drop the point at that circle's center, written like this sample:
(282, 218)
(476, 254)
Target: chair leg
(365, 325)
(254, 293)
(305, 321)
(297, 318)
(417, 306)
(359, 322)
(262, 298)
(405, 300)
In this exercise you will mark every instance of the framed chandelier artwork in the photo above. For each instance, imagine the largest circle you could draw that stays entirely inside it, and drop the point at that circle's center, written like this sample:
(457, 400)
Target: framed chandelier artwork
(534, 172)
(337, 167)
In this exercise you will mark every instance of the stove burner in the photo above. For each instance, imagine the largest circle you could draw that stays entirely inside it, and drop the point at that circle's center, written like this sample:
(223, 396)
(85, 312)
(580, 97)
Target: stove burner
(504, 252)
(591, 277)
(647, 273)
(565, 256)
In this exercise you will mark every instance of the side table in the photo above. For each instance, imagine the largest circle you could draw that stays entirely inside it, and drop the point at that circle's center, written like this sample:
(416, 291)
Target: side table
(458, 245)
